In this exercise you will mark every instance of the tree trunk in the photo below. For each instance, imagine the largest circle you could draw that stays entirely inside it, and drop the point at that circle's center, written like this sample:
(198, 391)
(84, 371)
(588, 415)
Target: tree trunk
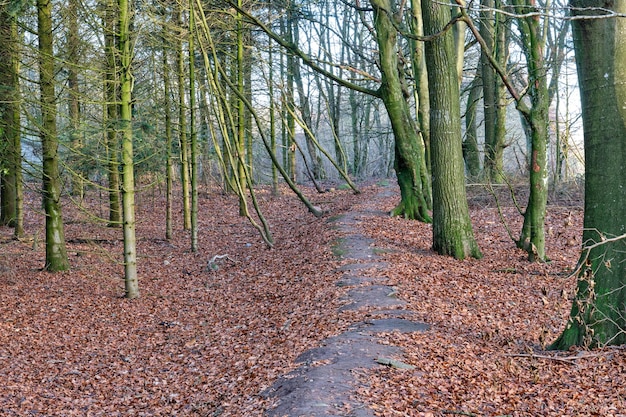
(494, 139)
(420, 74)
(73, 46)
(111, 87)
(471, 153)
(128, 177)
(56, 254)
(597, 316)
(452, 228)
(532, 238)
(11, 196)
(192, 133)
(182, 126)
(169, 169)
(409, 150)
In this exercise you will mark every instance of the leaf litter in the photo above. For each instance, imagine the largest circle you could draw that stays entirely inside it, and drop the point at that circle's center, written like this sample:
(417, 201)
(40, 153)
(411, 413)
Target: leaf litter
(206, 340)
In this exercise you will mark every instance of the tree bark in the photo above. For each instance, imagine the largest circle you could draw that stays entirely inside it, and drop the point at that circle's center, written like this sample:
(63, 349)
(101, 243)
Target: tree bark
(410, 165)
(128, 177)
(597, 317)
(11, 195)
(111, 93)
(183, 141)
(193, 136)
(471, 153)
(452, 228)
(532, 238)
(56, 254)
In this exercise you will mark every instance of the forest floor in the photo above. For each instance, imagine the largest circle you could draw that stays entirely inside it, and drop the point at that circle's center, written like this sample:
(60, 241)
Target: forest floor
(211, 341)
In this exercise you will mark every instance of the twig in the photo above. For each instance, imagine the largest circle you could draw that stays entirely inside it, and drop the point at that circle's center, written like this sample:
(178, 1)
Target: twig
(461, 413)
(566, 359)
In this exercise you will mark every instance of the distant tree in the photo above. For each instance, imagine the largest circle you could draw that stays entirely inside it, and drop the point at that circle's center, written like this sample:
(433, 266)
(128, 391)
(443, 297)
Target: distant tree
(598, 315)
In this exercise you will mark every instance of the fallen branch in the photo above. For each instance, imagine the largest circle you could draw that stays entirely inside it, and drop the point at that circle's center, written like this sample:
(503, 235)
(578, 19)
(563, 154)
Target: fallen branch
(212, 264)
(566, 359)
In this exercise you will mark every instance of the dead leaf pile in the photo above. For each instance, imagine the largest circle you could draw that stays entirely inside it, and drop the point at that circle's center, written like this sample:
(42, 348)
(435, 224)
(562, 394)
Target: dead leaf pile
(213, 329)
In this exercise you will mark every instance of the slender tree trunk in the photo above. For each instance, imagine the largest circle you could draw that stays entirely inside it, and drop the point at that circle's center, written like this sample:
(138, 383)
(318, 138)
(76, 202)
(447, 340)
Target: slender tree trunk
(56, 254)
(532, 238)
(128, 177)
(493, 157)
(409, 151)
(169, 168)
(111, 86)
(470, 144)
(183, 141)
(420, 74)
(452, 228)
(192, 132)
(74, 99)
(240, 140)
(272, 111)
(597, 317)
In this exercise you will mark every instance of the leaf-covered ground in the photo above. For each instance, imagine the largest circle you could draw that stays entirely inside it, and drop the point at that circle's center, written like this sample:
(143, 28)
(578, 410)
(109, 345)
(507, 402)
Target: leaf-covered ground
(206, 342)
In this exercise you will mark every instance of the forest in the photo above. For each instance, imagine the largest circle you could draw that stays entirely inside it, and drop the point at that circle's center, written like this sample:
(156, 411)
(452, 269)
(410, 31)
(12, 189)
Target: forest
(308, 208)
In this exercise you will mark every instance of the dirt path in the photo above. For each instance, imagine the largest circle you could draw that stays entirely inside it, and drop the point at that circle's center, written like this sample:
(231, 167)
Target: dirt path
(324, 384)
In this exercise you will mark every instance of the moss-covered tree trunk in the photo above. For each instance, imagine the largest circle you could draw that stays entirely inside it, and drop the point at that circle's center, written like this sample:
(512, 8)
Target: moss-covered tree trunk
(452, 228)
(56, 254)
(11, 205)
(532, 238)
(410, 164)
(128, 177)
(421, 78)
(598, 315)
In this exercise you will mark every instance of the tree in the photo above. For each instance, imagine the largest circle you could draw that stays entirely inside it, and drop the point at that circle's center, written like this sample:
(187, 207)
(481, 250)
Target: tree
(598, 314)
(410, 161)
(183, 141)
(56, 254)
(111, 95)
(11, 189)
(452, 228)
(125, 51)
(493, 31)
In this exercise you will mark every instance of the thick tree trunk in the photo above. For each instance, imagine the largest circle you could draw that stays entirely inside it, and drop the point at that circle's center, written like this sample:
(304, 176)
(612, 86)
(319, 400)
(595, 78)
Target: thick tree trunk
(597, 316)
(56, 254)
(409, 150)
(452, 228)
